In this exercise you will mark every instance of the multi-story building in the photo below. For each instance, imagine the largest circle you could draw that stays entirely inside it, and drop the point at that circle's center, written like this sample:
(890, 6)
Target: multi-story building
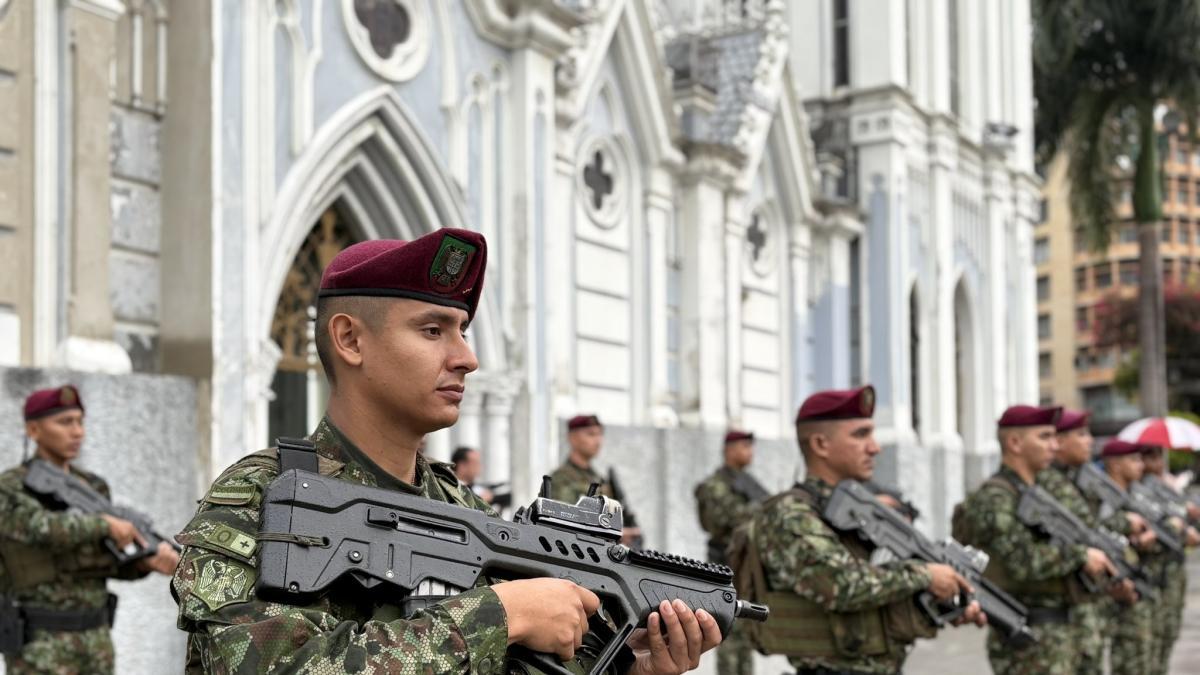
(1073, 278)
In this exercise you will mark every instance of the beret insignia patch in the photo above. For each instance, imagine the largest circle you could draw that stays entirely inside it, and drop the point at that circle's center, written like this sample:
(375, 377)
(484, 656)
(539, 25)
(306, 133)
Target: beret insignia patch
(66, 396)
(867, 401)
(221, 582)
(451, 262)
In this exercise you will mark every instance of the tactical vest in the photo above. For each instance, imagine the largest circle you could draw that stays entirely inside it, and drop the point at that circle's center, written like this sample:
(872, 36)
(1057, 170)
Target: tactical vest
(25, 566)
(1067, 588)
(801, 628)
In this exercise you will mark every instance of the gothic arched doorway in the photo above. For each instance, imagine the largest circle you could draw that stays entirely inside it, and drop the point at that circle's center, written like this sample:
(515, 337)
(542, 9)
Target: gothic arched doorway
(299, 385)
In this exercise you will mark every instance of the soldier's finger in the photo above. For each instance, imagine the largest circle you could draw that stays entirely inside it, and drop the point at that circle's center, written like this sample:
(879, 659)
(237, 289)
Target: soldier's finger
(963, 583)
(712, 632)
(591, 601)
(658, 644)
(691, 629)
(676, 640)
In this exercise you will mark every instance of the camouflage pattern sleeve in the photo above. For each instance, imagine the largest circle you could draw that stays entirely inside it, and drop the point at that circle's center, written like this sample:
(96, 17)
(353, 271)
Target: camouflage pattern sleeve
(1025, 557)
(803, 553)
(721, 509)
(25, 520)
(233, 631)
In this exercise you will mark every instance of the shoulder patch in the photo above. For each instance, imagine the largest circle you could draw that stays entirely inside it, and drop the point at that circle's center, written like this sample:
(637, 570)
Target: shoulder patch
(220, 581)
(231, 495)
(225, 538)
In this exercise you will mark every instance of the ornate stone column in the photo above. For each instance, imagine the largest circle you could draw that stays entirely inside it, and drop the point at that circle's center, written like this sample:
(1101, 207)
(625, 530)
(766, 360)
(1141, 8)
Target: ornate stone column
(91, 34)
(498, 409)
(469, 430)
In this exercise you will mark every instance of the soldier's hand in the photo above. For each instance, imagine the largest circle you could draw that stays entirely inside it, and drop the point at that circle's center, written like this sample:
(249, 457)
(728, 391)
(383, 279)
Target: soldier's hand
(1137, 524)
(946, 584)
(1144, 540)
(688, 635)
(1193, 537)
(122, 532)
(972, 614)
(164, 560)
(1123, 592)
(1193, 511)
(547, 615)
(1098, 565)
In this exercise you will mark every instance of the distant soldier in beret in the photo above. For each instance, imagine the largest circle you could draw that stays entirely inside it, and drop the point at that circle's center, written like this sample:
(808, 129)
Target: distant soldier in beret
(572, 479)
(391, 330)
(53, 562)
(832, 610)
(725, 500)
(1093, 615)
(1039, 573)
(1168, 612)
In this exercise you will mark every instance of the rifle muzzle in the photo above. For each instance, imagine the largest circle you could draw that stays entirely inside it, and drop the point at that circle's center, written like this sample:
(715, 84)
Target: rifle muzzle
(751, 610)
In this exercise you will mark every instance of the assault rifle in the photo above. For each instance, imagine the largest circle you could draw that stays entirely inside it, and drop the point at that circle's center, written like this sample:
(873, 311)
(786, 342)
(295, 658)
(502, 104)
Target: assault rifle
(1038, 509)
(853, 507)
(1092, 480)
(318, 530)
(69, 491)
(906, 507)
(1171, 502)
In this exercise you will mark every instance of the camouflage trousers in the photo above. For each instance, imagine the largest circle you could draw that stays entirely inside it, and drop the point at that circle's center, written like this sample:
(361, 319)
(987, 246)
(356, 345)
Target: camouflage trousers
(1168, 619)
(735, 656)
(1132, 631)
(1054, 653)
(1089, 620)
(88, 652)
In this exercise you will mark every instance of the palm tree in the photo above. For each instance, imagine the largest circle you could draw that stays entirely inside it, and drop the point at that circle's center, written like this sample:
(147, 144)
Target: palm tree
(1101, 70)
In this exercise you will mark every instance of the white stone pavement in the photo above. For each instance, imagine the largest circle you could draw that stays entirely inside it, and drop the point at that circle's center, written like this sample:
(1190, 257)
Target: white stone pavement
(961, 650)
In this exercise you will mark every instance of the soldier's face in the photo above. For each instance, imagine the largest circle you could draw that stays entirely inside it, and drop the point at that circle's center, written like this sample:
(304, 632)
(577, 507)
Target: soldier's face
(586, 441)
(1075, 447)
(1128, 468)
(739, 454)
(416, 365)
(59, 436)
(1038, 445)
(853, 448)
(1154, 461)
(469, 469)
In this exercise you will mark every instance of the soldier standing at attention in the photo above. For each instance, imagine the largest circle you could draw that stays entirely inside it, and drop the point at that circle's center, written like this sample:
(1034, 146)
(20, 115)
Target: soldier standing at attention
(575, 476)
(54, 563)
(1168, 613)
(725, 500)
(1037, 572)
(391, 324)
(832, 611)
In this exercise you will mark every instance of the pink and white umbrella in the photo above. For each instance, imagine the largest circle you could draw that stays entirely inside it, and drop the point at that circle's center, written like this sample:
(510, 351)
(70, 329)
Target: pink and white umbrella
(1167, 432)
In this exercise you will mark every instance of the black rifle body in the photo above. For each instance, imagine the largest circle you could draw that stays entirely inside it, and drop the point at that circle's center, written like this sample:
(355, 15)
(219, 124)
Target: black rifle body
(393, 543)
(1039, 509)
(67, 490)
(1092, 480)
(853, 507)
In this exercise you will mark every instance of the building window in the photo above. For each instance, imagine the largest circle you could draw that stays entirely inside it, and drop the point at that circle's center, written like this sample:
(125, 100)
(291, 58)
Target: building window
(1181, 155)
(856, 375)
(841, 43)
(1043, 326)
(1081, 280)
(1196, 193)
(1181, 193)
(1182, 234)
(1081, 319)
(1043, 210)
(1043, 289)
(1083, 360)
(952, 28)
(1128, 234)
(1044, 365)
(1081, 240)
(1164, 233)
(1129, 272)
(1103, 275)
(1041, 251)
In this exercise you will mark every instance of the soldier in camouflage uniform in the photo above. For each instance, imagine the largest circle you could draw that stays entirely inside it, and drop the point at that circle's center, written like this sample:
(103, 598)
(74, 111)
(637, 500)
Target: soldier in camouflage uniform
(1168, 615)
(53, 563)
(832, 610)
(391, 319)
(725, 500)
(575, 476)
(1037, 572)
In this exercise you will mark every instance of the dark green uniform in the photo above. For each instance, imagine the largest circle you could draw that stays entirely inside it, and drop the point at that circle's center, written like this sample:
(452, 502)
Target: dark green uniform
(569, 482)
(725, 500)
(55, 565)
(1034, 570)
(1168, 611)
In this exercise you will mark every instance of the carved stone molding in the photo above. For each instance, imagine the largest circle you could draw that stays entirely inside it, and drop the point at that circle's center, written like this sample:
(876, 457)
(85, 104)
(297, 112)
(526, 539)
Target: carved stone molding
(392, 37)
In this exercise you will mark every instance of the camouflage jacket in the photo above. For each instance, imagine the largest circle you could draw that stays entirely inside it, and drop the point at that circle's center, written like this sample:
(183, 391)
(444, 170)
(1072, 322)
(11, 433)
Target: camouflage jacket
(344, 631)
(62, 551)
(802, 553)
(569, 482)
(1025, 556)
(725, 500)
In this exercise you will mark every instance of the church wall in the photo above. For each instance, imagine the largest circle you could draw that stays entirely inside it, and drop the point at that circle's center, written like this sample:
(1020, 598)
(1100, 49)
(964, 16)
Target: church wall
(16, 182)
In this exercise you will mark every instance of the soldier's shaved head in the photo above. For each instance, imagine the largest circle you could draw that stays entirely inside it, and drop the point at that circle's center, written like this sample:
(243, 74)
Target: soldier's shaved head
(807, 429)
(371, 311)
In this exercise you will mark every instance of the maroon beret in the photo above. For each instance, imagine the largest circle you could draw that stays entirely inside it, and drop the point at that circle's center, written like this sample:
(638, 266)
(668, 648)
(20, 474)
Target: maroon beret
(1117, 448)
(583, 422)
(1029, 416)
(45, 402)
(1072, 420)
(737, 435)
(444, 267)
(843, 404)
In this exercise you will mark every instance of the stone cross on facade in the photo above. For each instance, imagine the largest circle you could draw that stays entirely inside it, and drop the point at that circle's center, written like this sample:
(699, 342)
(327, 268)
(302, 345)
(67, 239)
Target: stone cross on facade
(599, 181)
(757, 237)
